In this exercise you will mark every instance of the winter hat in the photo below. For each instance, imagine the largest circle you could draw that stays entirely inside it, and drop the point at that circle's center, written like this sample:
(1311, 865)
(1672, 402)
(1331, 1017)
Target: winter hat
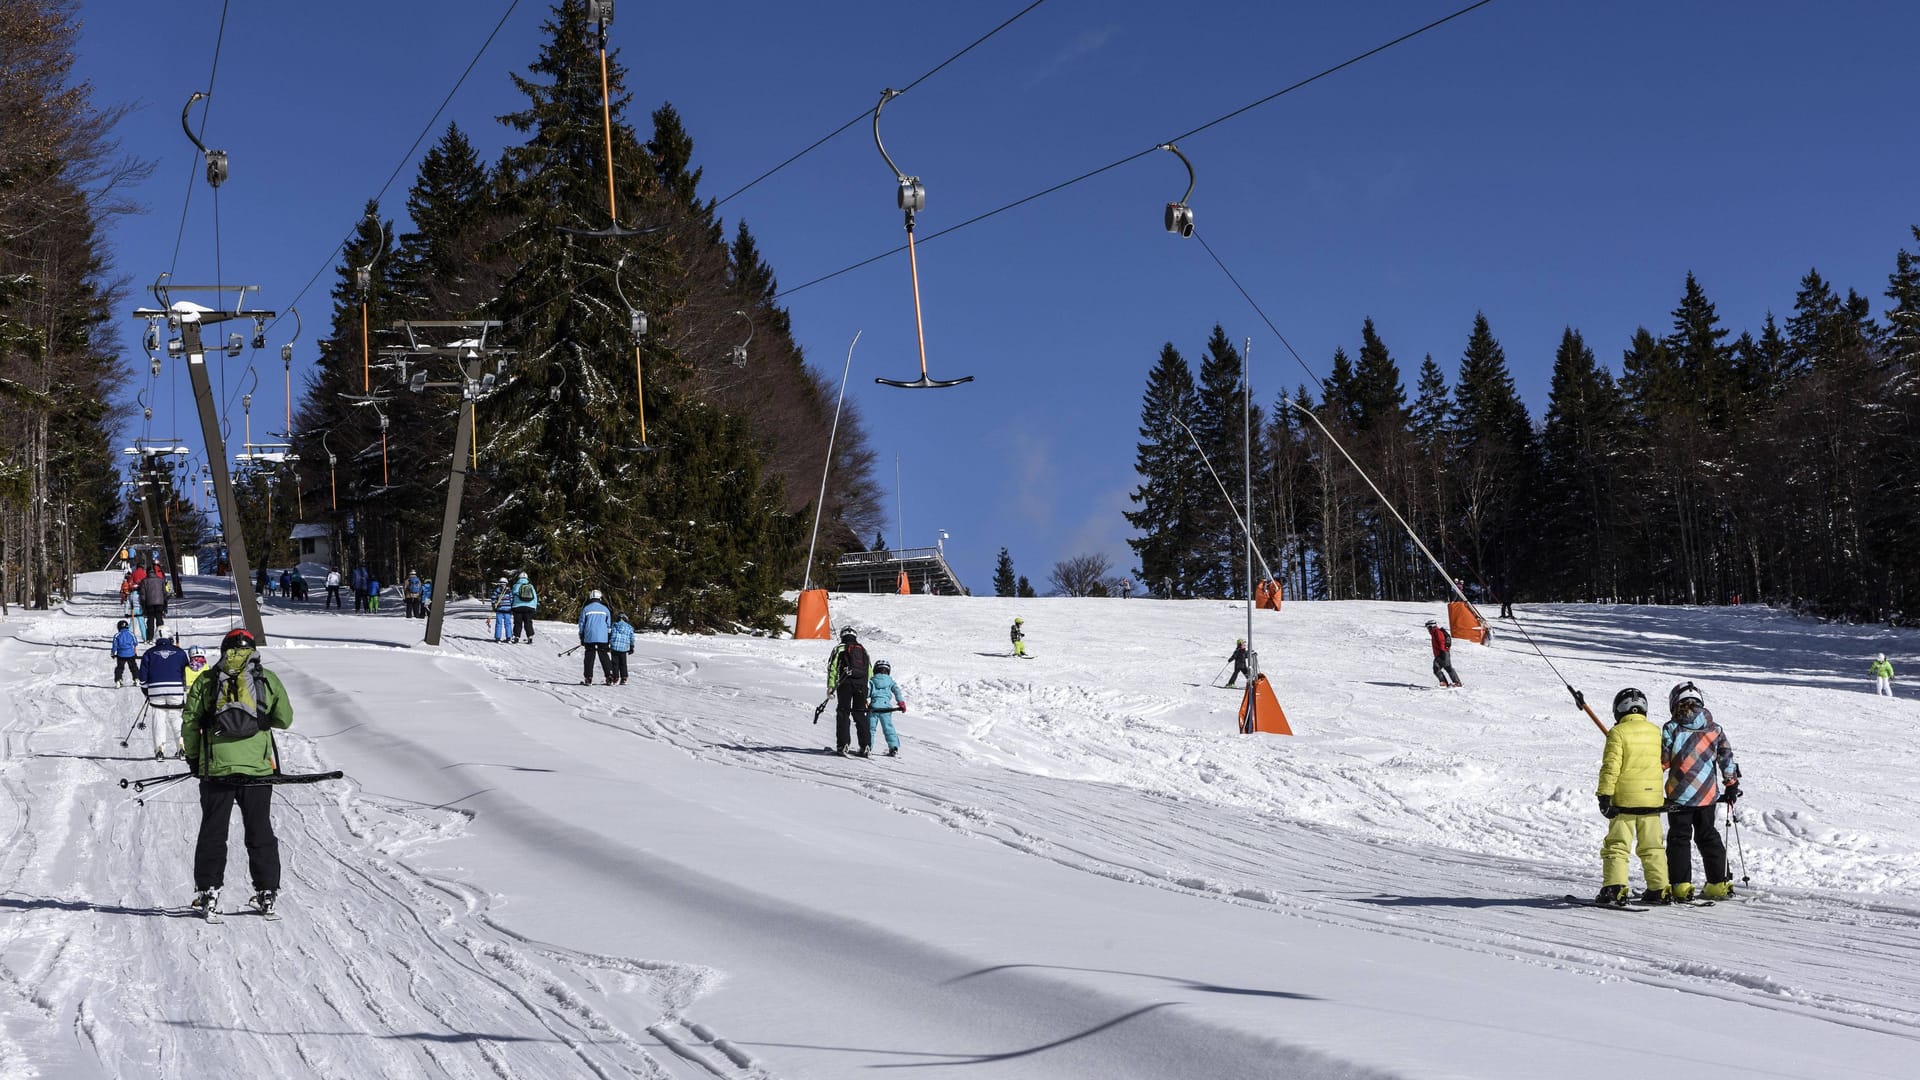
(1685, 694)
(163, 639)
(1627, 702)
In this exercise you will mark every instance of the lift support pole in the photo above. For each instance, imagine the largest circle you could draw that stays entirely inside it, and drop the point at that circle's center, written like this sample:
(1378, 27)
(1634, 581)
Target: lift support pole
(189, 318)
(456, 488)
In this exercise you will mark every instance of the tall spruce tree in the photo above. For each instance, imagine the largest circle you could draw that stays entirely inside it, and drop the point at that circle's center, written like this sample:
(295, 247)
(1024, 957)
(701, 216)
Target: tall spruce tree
(1220, 423)
(1578, 485)
(1493, 461)
(1004, 582)
(1173, 483)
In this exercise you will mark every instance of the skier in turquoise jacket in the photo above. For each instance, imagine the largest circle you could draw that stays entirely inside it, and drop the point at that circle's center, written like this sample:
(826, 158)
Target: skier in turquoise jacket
(883, 700)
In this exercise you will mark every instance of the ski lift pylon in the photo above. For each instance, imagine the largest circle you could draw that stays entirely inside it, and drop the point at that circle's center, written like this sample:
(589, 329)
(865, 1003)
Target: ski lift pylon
(911, 195)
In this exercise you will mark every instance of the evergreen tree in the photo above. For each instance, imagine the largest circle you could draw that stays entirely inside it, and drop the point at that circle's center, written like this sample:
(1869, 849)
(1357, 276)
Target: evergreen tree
(1493, 460)
(1173, 482)
(1004, 583)
(1578, 485)
(1704, 364)
(1024, 588)
(1221, 424)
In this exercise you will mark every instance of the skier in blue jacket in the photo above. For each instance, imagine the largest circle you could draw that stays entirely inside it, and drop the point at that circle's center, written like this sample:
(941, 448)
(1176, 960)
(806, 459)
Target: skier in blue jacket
(502, 610)
(883, 700)
(526, 601)
(620, 642)
(163, 678)
(596, 628)
(123, 647)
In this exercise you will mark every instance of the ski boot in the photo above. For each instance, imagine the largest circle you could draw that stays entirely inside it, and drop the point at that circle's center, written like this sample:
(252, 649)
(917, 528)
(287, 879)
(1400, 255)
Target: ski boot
(893, 751)
(1612, 895)
(263, 902)
(1718, 890)
(1656, 896)
(1681, 891)
(863, 752)
(206, 904)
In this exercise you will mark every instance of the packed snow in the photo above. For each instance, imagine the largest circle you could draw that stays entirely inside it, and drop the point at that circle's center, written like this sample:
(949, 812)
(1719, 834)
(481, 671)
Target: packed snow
(1075, 868)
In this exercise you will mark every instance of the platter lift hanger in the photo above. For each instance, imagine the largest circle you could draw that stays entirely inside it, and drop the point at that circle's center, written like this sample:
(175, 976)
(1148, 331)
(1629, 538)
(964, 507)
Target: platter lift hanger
(637, 329)
(1179, 215)
(600, 13)
(912, 198)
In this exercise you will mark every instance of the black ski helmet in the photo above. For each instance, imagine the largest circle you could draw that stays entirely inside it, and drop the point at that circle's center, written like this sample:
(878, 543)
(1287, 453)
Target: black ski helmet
(122, 626)
(1629, 701)
(847, 638)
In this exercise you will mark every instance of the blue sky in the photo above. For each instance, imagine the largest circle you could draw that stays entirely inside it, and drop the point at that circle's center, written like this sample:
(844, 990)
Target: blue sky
(1550, 163)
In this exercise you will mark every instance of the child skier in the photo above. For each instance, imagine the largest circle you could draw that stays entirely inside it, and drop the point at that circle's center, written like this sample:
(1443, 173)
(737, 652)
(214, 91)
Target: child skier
(502, 610)
(1442, 654)
(1698, 758)
(1019, 637)
(123, 652)
(1632, 792)
(883, 700)
(620, 643)
(1882, 673)
(1239, 659)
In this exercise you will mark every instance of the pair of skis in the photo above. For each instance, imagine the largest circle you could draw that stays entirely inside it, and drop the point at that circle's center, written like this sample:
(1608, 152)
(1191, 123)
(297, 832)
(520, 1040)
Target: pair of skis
(268, 911)
(1585, 902)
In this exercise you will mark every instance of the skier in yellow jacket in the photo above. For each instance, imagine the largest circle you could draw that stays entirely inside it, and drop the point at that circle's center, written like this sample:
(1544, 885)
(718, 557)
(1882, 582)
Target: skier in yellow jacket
(1632, 795)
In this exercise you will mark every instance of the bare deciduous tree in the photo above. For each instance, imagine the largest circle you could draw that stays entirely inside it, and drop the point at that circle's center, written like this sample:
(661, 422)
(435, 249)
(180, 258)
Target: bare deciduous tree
(1081, 575)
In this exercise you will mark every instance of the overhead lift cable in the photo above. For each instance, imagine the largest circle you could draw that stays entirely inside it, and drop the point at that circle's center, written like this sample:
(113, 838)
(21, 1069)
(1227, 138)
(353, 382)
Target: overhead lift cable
(829, 136)
(1090, 174)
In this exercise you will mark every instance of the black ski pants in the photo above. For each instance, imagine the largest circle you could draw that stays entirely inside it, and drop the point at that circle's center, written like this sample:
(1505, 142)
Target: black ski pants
(604, 652)
(619, 668)
(1443, 668)
(216, 815)
(852, 705)
(1686, 828)
(1239, 672)
(523, 623)
(127, 664)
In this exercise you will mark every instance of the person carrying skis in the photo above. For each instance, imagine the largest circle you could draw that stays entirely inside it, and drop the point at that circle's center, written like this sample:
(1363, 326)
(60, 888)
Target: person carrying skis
(1018, 636)
(848, 670)
(1882, 673)
(596, 628)
(411, 594)
(1632, 793)
(163, 679)
(124, 648)
(226, 735)
(502, 610)
(1699, 759)
(883, 700)
(1442, 654)
(1239, 661)
(620, 643)
(526, 601)
(153, 601)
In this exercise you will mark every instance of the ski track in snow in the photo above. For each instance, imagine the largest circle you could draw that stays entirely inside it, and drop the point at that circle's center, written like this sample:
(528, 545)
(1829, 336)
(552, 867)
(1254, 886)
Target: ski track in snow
(1388, 814)
(394, 972)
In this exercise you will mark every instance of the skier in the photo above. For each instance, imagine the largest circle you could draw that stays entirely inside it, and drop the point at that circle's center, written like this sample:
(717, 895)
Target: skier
(848, 670)
(359, 583)
(163, 679)
(1442, 654)
(411, 594)
(1239, 659)
(1882, 673)
(260, 583)
(1698, 758)
(286, 584)
(333, 587)
(426, 596)
(502, 610)
(526, 601)
(883, 700)
(226, 735)
(596, 627)
(299, 585)
(196, 663)
(1126, 588)
(1019, 637)
(373, 592)
(620, 642)
(1632, 793)
(153, 601)
(123, 648)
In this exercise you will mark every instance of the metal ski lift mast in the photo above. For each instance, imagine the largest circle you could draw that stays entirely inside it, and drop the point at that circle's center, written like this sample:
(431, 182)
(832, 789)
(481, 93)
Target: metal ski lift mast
(470, 352)
(911, 195)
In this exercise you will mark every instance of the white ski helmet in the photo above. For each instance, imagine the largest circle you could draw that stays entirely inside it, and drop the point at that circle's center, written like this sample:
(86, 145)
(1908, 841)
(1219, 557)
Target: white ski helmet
(1684, 694)
(882, 667)
(594, 595)
(1882, 658)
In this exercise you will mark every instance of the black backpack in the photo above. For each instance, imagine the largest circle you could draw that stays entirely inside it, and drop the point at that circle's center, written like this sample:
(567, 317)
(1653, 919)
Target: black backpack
(236, 721)
(853, 661)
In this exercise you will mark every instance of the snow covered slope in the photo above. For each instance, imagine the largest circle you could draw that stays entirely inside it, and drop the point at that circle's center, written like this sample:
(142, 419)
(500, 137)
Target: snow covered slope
(1074, 869)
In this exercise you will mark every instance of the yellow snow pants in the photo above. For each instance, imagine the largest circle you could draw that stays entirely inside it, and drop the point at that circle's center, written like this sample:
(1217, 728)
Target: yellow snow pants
(1641, 834)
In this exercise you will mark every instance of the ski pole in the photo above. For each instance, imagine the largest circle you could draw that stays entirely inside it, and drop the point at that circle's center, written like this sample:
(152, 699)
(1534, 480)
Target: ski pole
(139, 721)
(1217, 674)
(1733, 821)
(153, 781)
(570, 652)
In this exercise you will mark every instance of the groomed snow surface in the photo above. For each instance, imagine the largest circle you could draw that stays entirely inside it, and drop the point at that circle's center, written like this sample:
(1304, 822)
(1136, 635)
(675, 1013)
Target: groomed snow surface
(1075, 868)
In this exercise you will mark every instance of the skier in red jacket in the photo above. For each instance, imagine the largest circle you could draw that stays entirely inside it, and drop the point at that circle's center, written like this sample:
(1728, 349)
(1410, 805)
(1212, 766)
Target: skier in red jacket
(1442, 654)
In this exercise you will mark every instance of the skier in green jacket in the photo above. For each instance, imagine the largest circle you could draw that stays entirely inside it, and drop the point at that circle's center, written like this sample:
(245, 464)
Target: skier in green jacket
(1633, 793)
(1882, 673)
(226, 735)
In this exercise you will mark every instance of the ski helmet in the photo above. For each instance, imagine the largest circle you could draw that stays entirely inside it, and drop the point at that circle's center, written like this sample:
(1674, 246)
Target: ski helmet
(163, 639)
(847, 636)
(1431, 624)
(502, 581)
(237, 638)
(1883, 658)
(1018, 619)
(1627, 702)
(1684, 694)
(1240, 641)
(122, 626)
(881, 667)
(622, 617)
(594, 595)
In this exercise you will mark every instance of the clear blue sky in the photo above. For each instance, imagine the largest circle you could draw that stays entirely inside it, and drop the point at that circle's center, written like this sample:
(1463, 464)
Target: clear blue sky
(1551, 163)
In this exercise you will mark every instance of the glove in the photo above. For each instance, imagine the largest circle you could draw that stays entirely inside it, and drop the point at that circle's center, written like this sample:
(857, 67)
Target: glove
(1732, 796)
(1606, 805)
(1579, 699)
(900, 708)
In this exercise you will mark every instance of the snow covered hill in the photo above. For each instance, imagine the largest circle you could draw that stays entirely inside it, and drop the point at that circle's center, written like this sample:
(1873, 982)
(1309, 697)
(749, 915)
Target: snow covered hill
(1074, 869)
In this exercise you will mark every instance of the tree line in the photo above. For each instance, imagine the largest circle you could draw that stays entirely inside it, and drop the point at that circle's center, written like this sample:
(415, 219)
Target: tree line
(1776, 465)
